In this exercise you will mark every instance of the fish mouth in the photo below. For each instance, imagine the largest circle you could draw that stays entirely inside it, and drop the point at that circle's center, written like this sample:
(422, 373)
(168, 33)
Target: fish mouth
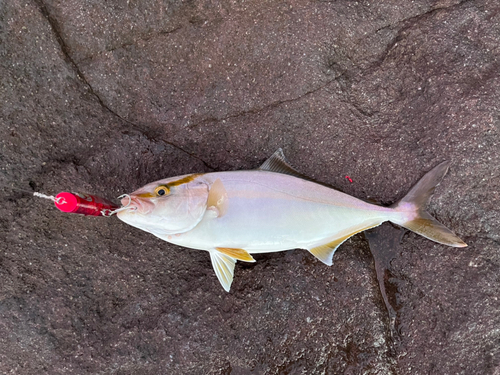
(134, 203)
(127, 204)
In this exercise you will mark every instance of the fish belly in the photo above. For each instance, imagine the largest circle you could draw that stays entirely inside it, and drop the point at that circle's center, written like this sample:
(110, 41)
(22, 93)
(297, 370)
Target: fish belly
(270, 212)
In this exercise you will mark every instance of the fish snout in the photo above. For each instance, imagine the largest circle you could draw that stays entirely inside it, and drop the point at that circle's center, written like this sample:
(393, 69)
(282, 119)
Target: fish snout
(142, 206)
(126, 200)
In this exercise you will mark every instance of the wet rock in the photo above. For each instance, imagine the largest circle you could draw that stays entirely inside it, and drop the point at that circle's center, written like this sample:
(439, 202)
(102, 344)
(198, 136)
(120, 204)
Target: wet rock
(103, 98)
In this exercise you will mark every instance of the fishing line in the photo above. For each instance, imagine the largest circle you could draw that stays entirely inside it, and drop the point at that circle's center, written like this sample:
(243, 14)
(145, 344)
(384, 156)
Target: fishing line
(59, 200)
(79, 203)
(13, 188)
(36, 194)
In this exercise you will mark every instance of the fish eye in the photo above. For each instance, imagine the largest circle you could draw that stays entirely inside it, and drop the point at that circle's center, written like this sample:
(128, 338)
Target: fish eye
(162, 190)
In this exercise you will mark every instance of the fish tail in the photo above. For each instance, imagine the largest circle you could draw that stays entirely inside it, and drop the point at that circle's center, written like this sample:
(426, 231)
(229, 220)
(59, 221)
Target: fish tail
(413, 214)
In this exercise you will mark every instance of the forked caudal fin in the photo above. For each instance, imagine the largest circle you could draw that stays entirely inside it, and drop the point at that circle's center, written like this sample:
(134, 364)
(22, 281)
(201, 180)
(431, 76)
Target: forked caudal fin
(420, 221)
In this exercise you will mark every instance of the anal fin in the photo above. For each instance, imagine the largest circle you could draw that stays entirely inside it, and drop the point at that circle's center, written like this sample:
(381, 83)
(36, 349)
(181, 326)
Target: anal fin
(325, 251)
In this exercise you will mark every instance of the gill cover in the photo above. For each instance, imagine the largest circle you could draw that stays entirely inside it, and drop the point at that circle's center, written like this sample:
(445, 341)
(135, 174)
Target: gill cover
(176, 212)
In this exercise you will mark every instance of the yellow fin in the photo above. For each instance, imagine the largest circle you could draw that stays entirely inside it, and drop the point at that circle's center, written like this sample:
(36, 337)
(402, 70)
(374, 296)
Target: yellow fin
(416, 200)
(430, 228)
(217, 198)
(239, 254)
(325, 252)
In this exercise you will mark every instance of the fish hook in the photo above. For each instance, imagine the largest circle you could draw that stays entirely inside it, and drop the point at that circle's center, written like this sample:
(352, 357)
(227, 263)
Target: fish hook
(107, 212)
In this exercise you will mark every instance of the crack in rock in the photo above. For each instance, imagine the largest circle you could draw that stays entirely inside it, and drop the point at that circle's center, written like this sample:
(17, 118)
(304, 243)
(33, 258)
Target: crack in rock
(414, 19)
(411, 21)
(140, 38)
(65, 50)
(276, 104)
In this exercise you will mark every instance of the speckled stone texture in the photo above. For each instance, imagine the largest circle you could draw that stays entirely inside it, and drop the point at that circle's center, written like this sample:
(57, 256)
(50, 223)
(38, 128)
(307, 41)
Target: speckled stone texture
(105, 96)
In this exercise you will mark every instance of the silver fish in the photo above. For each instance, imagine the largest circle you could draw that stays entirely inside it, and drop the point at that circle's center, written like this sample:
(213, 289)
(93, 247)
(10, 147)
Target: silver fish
(273, 208)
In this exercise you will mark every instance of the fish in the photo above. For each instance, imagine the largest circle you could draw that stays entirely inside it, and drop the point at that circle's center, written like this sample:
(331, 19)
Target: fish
(234, 214)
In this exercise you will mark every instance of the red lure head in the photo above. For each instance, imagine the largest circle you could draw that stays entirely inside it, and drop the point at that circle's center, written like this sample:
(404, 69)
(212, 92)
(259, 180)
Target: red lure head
(85, 204)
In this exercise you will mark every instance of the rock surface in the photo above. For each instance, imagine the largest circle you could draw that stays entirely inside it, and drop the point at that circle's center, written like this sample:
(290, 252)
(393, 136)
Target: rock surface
(103, 97)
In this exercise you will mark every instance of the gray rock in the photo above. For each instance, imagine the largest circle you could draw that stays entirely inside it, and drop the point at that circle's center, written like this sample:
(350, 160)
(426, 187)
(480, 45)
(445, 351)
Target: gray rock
(103, 97)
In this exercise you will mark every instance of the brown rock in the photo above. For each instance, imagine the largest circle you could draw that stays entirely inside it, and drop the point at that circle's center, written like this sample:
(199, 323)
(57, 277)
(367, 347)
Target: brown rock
(103, 97)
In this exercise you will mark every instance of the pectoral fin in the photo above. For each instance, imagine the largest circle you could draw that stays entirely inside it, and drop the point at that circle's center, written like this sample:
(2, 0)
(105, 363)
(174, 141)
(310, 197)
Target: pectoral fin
(217, 198)
(223, 267)
(325, 252)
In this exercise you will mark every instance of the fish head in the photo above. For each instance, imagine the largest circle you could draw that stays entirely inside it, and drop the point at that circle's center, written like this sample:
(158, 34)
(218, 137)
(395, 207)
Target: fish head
(170, 206)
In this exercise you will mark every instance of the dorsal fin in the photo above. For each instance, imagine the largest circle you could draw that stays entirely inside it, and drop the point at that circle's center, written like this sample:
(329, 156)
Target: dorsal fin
(277, 163)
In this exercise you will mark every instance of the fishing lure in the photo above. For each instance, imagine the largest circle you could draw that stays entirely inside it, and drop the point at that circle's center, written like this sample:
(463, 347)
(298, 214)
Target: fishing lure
(78, 203)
